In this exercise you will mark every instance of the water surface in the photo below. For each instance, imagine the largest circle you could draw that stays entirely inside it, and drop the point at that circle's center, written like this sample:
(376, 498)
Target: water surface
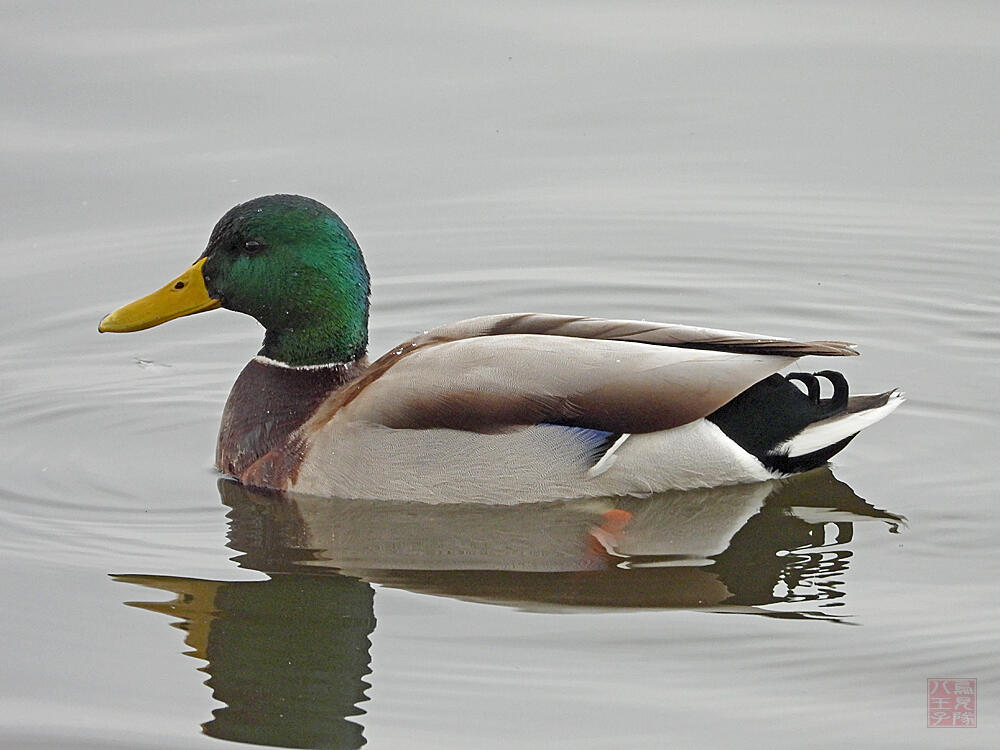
(824, 171)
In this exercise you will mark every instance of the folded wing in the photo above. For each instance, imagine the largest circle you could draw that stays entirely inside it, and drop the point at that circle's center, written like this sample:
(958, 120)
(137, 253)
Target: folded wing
(496, 373)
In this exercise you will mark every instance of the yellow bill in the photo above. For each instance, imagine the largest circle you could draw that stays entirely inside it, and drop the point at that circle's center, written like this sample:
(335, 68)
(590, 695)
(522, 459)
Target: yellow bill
(185, 295)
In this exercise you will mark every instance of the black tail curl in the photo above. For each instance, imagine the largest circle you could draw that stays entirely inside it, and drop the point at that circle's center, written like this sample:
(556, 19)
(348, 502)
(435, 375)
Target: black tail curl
(841, 391)
(774, 410)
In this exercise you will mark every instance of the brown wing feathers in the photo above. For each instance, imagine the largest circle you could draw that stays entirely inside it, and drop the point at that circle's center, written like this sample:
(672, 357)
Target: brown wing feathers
(686, 337)
(404, 393)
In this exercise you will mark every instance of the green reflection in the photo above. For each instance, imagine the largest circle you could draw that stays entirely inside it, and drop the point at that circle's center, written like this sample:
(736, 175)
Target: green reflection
(288, 656)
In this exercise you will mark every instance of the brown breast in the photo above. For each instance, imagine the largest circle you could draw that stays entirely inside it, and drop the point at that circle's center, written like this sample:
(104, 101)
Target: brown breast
(267, 404)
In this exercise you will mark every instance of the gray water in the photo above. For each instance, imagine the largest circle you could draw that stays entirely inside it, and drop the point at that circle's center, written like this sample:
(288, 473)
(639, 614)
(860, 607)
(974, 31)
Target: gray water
(821, 170)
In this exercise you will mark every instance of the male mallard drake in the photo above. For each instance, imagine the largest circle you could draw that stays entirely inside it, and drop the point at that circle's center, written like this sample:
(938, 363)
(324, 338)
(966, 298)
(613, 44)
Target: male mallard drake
(493, 409)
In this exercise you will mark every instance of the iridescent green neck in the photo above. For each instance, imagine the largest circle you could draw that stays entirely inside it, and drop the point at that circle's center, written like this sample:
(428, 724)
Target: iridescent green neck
(331, 340)
(316, 306)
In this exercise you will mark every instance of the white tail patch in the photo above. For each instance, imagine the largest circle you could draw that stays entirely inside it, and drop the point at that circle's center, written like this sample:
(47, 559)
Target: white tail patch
(829, 431)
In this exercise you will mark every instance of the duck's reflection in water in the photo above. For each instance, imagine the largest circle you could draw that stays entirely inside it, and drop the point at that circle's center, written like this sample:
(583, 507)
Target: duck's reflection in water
(289, 656)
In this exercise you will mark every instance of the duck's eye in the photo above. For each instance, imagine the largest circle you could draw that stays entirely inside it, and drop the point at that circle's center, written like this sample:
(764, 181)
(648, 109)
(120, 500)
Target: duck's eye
(254, 246)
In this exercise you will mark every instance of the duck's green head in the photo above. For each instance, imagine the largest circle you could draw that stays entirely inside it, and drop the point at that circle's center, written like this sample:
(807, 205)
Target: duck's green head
(288, 261)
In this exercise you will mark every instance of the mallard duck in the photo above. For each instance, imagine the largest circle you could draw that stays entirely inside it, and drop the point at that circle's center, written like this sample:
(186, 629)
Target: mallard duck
(501, 408)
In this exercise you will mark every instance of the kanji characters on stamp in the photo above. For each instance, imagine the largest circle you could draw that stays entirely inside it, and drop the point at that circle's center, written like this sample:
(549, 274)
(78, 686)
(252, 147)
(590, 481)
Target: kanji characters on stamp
(951, 702)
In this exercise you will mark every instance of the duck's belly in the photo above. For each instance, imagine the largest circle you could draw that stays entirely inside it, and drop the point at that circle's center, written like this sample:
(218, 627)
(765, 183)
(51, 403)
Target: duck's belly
(541, 462)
